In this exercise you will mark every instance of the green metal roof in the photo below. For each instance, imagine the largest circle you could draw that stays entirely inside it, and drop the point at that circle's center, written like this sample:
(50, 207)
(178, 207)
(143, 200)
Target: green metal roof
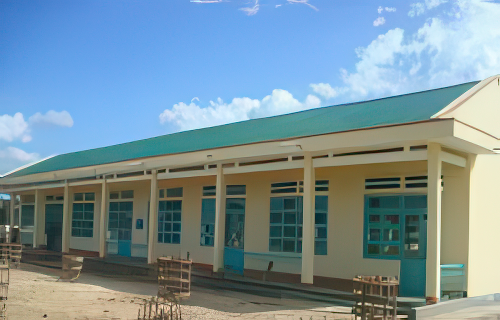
(387, 111)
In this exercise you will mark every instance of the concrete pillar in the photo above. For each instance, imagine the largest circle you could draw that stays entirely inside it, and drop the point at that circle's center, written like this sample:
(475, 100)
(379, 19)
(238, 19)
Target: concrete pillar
(153, 216)
(433, 262)
(102, 219)
(66, 227)
(11, 208)
(308, 233)
(220, 220)
(35, 218)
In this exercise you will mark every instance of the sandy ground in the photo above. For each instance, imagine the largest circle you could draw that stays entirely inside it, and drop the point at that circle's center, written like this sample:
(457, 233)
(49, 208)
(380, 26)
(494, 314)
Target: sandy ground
(35, 293)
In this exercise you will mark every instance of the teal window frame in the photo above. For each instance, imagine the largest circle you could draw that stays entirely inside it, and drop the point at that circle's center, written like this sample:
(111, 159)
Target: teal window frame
(383, 224)
(207, 233)
(82, 223)
(277, 227)
(169, 221)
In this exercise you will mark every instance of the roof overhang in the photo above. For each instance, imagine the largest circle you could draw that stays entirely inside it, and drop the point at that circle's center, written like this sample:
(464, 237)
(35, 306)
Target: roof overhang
(448, 132)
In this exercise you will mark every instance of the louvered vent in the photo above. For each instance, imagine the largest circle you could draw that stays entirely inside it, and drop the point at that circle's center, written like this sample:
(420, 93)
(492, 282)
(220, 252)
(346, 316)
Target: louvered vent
(383, 183)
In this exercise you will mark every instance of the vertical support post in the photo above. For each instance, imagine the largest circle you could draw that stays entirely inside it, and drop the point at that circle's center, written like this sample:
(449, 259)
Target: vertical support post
(35, 218)
(220, 220)
(11, 208)
(66, 220)
(433, 262)
(102, 219)
(308, 233)
(153, 216)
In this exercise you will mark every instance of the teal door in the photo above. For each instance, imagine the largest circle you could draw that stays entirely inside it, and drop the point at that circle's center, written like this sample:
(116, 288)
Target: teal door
(234, 259)
(396, 229)
(120, 226)
(53, 226)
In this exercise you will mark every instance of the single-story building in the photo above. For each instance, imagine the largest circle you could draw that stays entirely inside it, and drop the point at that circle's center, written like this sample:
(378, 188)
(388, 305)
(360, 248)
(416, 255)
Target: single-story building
(394, 187)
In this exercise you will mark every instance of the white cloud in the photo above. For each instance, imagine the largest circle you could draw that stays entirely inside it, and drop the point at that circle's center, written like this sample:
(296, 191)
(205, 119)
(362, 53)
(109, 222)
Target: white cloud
(192, 116)
(445, 50)
(379, 21)
(306, 2)
(62, 118)
(14, 127)
(250, 11)
(325, 90)
(419, 8)
(18, 155)
(390, 9)
(380, 9)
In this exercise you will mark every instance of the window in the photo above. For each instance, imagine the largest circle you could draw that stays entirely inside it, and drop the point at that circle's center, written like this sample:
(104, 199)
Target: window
(83, 215)
(235, 222)
(120, 220)
(127, 194)
(169, 221)
(171, 193)
(27, 215)
(285, 230)
(207, 222)
(236, 190)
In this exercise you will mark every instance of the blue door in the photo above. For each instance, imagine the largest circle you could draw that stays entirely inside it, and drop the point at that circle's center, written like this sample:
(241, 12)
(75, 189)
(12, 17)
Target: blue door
(234, 259)
(53, 226)
(412, 283)
(120, 226)
(396, 229)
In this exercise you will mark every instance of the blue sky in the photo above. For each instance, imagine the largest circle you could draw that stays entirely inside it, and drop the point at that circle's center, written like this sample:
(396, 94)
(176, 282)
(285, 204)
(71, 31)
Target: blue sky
(76, 74)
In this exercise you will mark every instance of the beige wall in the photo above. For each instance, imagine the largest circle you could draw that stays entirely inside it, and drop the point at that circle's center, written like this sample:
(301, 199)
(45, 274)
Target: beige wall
(484, 259)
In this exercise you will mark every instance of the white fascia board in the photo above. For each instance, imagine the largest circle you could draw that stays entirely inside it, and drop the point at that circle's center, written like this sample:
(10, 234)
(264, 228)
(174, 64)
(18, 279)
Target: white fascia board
(371, 158)
(371, 138)
(276, 166)
(453, 159)
(32, 188)
(475, 137)
(187, 174)
(464, 97)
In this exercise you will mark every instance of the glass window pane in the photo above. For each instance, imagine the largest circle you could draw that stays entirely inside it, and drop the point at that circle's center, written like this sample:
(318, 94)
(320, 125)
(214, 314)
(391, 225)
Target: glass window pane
(236, 190)
(276, 204)
(177, 216)
(78, 196)
(176, 227)
(113, 206)
(28, 216)
(168, 216)
(114, 195)
(177, 205)
(374, 218)
(235, 204)
(162, 193)
(321, 232)
(276, 217)
(320, 247)
(89, 215)
(320, 218)
(373, 249)
(374, 235)
(90, 196)
(128, 194)
(290, 218)
(288, 245)
(168, 227)
(275, 245)
(321, 203)
(88, 207)
(176, 238)
(391, 235)
(416, 202)
(275, 232)
(160, 237)
(392, 218)
(391, 250)
(174, 193)
(289, 232)
(167, 238)
(289, 203)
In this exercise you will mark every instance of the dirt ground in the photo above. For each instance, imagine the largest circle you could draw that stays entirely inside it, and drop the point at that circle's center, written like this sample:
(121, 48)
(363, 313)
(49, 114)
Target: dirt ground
(35, 293)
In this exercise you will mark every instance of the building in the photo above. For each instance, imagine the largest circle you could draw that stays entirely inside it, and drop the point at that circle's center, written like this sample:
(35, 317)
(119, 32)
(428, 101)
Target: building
(394, 186)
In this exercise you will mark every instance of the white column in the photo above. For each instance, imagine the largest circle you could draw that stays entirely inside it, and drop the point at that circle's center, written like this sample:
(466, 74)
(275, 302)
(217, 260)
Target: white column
(308, 233)
(35, 218)
(11, 208)
(220, 220)
(102, 219)
(153, 216)
(433, 262)
(66, 227)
